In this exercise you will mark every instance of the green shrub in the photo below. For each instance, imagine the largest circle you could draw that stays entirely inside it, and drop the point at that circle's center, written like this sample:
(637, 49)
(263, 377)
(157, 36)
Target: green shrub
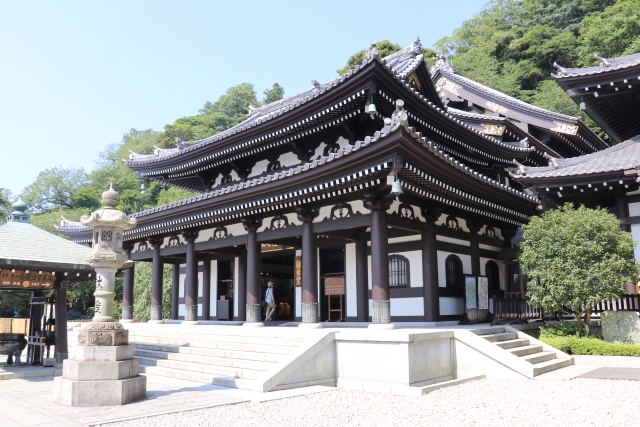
(590, 346)
(558, 330)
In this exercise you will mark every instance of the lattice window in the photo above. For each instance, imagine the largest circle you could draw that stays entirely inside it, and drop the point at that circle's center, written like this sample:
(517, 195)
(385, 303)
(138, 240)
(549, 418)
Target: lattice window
(492, 272)
(398, 271)
(107, 236)
(454, 273)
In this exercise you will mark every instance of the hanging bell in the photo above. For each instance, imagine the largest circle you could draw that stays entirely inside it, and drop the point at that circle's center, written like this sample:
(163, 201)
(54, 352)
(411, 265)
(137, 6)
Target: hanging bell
(396, 189)
(371, 110)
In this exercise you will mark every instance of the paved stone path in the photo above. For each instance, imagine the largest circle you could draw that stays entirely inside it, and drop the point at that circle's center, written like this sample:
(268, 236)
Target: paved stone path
(29, 402)
(630, 374)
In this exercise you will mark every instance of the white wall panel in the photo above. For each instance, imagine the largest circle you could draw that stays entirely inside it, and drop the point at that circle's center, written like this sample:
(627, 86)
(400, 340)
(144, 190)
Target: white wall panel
(634, 209)
(235, 288)
(214, 288)
(351, 279)
(449, 306)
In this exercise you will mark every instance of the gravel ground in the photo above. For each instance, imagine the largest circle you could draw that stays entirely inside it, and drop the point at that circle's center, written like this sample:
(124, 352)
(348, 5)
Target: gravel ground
(609, 361)
(488, 402)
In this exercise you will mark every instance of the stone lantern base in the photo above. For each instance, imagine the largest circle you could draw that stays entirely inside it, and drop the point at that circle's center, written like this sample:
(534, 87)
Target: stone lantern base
(101, 374)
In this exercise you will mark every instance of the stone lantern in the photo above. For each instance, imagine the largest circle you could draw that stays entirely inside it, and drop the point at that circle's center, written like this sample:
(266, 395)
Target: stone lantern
(103, 371)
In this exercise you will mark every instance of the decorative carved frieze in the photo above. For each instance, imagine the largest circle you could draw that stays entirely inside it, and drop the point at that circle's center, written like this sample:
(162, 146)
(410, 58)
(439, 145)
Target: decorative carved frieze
(565, 128)
(492, 129)
(174, 241)
(444, 83)
(496, 108)
(341, 210)
(279, 222)
(273, 165)
(331, 147)
(490, 232)
(406, 211)
(220, 233)
(413, 81)
(226, 179)
(452, 223)
(190, 235)
(251, 224)
(306, 214)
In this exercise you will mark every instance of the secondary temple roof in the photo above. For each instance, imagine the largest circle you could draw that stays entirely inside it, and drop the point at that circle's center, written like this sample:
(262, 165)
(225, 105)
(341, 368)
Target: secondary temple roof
(568, 134)
(608, 92)
(620, 157)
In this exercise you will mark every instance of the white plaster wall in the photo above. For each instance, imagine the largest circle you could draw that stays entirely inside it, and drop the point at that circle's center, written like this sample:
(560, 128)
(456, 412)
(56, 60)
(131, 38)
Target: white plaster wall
(452, 240)
(259, 168)
(450, 305)
(369, 273)
(180, 309)
(442, 256)
(415, 266)
(404, 307)
(403, 239)
(351, 279)
(635, 233)
(214, 288)
(236, 229)
(288, 159)
(183, 277)
(204, 235)
(235, 287)
(199, 284)
(634, 208)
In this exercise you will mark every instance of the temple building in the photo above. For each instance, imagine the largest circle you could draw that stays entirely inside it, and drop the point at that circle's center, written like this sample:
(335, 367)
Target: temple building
(610, 94)
(365, 198)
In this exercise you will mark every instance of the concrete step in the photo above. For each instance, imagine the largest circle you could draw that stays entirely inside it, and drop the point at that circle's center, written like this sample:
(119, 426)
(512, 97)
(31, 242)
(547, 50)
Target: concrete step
(489, 331)
(240, 339)
(540, 357)
(226, 362)
(518, 342)
(220, 371)
(258, 348)
(234, 354)
(525, 350)
(197, 377)
(550, 365)
(502, 336)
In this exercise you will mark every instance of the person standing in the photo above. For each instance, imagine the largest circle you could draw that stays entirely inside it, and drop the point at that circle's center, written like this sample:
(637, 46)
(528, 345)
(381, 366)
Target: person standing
(270, 300)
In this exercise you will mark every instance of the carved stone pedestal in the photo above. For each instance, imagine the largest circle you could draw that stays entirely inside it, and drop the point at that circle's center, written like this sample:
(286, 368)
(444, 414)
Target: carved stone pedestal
(101, 374)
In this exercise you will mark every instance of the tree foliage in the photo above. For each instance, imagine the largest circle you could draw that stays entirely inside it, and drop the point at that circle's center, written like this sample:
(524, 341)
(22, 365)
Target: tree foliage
(575, 258)
(385, 48)
(54, 188)
(5, 204)
(142, 291)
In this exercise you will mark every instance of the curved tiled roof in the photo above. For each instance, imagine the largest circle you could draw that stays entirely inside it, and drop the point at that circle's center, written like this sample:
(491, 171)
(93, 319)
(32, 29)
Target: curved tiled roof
(623, 156)
(605, 65)
(24, 242)
(448, 71)
(402, 63)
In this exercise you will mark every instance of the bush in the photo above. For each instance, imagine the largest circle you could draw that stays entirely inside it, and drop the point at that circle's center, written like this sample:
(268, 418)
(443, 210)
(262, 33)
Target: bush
(590, 346)
(558, 330)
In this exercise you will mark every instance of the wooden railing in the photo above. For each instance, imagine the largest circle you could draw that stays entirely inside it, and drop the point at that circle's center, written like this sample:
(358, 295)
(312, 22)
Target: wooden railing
(514, 309)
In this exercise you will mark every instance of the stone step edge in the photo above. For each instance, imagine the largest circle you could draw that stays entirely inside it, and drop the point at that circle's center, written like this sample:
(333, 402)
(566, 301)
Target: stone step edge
(188, 345)
(192, 364)
(197, 355)
(169, 353)
(213, 379)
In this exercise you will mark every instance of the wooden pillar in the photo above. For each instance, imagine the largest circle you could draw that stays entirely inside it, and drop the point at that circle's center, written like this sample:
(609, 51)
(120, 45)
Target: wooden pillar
(156, 282)
(309, 268)
(622, 209)
(380, 267)
(362, 278)
(61, 346)
(431, 287)
(253, 307)
(241, 284)
(474, 227)
(206, 287)
(127, 290)
(191, 283)
(175, 290)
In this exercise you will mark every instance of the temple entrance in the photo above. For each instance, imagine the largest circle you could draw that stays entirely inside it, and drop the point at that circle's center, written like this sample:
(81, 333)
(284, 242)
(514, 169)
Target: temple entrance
(332, 295)
(277, 266)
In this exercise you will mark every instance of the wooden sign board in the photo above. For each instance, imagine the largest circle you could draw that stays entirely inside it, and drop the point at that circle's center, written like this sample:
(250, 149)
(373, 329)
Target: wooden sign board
(298, 271)
(334, 285)
(21, 280)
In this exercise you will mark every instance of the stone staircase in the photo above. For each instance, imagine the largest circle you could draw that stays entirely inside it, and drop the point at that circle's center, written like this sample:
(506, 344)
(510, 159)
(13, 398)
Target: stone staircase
(231, 357)
(542, 357)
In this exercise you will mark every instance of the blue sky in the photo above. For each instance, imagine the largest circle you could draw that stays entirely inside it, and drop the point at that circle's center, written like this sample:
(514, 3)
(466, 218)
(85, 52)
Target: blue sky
(76, 75)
